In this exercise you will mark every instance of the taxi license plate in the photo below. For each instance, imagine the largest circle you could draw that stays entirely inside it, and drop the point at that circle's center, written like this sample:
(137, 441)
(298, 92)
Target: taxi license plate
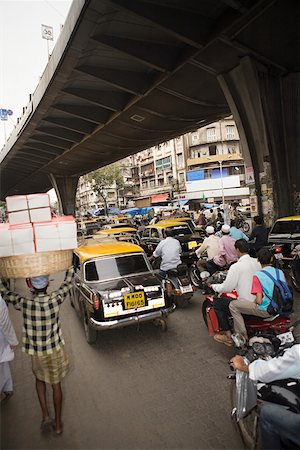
(278, 255)
(134, 300)
(192, 245)
(185, 289)
(286, 338)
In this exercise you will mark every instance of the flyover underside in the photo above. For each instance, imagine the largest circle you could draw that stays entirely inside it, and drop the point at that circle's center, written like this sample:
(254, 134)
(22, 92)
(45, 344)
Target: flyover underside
(126, 75)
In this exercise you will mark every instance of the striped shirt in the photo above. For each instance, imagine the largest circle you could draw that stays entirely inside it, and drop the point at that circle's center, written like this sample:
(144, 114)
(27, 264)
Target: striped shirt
(41, 324)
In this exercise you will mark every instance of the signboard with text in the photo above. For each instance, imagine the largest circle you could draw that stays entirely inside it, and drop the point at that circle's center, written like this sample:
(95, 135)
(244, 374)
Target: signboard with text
(47, 32)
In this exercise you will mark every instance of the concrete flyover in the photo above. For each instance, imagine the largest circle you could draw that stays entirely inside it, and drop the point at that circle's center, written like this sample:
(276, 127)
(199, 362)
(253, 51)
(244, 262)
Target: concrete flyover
(127, 75)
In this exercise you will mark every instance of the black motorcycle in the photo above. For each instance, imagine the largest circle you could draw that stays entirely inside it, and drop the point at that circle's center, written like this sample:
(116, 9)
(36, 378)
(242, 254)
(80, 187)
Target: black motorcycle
(295, 272)
(177, 286)
(282, 392)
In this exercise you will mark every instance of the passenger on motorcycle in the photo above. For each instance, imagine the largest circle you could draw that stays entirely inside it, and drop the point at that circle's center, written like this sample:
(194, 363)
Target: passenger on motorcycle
(236, 233)
(169, 250)
(227, 253)
(239, 278)
(277, 423)
(209, 245)
(259, 235)
(261, 285)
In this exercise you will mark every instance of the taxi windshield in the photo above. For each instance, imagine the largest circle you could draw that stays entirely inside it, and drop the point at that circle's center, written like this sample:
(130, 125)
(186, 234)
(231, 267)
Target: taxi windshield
(115, 267)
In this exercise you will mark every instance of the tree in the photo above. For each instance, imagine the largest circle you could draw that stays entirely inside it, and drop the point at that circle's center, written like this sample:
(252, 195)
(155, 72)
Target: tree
(107, 177)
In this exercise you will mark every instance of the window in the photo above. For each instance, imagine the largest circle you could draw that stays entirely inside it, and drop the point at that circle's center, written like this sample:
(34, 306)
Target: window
(212, 150)
(180, 159)
(146, 233)
(211, 134)
(154, 233)
(160, 182)
(144, 184)
(164, 163)
(118, 267)
(195, 138)
(152, 183)
(181, 178)
(230, 131)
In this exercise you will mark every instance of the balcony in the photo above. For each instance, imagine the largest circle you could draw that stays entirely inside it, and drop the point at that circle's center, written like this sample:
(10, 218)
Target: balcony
(213, 158)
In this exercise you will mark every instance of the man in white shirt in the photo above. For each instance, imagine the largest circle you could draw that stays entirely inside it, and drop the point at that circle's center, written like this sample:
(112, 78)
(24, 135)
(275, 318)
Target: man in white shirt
(210, 245)
(239, 278)
(277, 423)
(169, 250)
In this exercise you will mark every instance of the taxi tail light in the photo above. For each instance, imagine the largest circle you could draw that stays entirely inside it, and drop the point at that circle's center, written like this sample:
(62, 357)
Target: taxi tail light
(277, 249)
(96, 302)
(177, 291)
(169, 288)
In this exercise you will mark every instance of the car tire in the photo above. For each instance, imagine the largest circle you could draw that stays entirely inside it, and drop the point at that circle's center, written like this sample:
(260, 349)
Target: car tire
(90, 333)
(72, 298)
(246, 227)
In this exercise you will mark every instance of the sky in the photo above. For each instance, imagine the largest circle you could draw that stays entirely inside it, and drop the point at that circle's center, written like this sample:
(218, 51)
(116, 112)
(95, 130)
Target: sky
(23, 52)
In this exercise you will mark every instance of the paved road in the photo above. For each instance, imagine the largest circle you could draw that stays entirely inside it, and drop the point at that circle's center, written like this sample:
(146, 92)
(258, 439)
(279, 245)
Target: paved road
(132, 390)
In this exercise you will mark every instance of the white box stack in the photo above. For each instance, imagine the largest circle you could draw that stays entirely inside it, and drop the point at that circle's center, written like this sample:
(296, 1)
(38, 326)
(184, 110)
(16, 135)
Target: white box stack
(6, 247)
(58, 234)
(22, 239)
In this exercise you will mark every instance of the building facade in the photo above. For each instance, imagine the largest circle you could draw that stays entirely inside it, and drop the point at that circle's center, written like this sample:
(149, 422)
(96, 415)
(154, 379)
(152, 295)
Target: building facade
(205, 165)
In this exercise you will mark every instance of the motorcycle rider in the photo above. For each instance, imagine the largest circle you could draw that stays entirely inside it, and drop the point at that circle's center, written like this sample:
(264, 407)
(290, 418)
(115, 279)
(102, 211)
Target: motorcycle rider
(169, 250)
(259, 235)
(239, 278)
(227, 252)
(260, 286)
(209, 245)
(236, 233)
(277, 423)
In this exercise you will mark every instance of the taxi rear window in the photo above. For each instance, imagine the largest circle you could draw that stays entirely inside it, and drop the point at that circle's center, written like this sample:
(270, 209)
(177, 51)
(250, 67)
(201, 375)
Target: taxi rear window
(286, 227)
(115, 267)
(181, 231)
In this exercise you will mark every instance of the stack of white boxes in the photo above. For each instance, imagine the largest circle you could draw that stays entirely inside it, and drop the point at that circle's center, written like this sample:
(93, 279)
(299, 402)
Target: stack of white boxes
(31, 227)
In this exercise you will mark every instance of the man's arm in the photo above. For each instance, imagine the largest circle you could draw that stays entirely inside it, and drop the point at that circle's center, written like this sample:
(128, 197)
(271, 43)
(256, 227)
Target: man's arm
(157, 251)
(64, 289)
(230, 283)
(11, 297)
(202, 248)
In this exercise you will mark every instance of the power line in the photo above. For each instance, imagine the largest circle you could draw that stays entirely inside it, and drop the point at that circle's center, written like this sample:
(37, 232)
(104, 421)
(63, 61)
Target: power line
(61, 15)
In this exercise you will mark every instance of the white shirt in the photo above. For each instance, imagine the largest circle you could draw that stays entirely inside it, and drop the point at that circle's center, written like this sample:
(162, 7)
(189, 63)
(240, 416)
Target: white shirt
(285, 366)
(169, 250)
(7, 332)
(211, 244)
(239, 278)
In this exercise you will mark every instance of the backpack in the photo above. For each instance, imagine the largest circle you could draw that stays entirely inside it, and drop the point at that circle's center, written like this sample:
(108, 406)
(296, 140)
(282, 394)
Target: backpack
(282, 298)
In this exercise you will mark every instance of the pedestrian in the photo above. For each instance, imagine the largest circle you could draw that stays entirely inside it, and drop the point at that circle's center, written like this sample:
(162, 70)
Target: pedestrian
(43, 340)
(8, 345)
(259, 235)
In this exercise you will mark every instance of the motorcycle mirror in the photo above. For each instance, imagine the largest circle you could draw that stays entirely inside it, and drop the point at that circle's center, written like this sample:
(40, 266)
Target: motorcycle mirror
(204, 275)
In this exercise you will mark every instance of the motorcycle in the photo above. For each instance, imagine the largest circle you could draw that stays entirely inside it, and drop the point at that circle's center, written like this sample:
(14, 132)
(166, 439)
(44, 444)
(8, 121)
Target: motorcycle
(254, 325)
(282, 392)
(295, 271)
(177, 285)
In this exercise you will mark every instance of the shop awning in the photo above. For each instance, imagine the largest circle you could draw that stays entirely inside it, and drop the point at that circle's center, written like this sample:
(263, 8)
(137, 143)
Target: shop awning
(159, 198)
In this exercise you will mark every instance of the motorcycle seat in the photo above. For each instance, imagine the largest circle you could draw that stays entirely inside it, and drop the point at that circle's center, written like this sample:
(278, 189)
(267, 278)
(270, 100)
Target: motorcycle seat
(172, 272)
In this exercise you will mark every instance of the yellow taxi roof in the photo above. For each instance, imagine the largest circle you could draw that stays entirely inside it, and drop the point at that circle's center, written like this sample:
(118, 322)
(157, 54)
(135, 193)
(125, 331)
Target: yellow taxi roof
(286, 219)
(166, 224)
(172, 221)
(112, 248)
(117, 230)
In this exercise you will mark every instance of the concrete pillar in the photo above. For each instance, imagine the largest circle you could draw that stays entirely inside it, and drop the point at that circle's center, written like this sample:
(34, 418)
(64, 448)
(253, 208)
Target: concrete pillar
(266, 109)
(65, 188)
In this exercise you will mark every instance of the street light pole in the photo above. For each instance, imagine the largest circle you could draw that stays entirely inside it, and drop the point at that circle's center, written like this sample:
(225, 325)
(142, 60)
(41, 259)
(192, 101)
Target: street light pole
(222, 186)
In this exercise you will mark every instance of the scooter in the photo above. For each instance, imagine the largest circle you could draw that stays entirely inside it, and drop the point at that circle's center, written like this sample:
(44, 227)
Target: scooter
(254, 325)
(245, 414)
(177, 285)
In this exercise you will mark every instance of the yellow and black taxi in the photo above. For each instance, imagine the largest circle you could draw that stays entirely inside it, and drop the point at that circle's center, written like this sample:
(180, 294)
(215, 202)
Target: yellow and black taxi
(115, 286)
(285, 234)
(88, 227)
(127, 234)
(153, 234)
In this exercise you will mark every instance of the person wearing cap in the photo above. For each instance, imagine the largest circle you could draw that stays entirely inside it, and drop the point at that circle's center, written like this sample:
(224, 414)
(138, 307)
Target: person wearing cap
(226, 254)
(43, 340)
(236, 233)
(239, 279)
(209, 245)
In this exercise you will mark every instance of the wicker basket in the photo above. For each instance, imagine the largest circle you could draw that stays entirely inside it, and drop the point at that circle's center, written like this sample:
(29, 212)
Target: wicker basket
(34, 265)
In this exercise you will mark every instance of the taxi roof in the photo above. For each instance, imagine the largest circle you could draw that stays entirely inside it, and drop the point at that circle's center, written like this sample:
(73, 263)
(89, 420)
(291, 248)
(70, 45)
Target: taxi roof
(166, 224)
(104, 249)
(286, 219)
(117, 230)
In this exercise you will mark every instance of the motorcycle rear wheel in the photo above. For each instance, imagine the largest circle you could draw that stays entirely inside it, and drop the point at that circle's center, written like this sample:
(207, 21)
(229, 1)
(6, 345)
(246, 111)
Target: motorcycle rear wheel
(248, 426)
(193, 277)
(204, 305)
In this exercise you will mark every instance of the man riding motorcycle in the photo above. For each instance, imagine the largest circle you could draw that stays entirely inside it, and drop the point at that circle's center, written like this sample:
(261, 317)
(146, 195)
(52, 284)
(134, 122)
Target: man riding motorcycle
(226, 254)
(169, 250)
(277, 423)
(239, 278)
(209, 245)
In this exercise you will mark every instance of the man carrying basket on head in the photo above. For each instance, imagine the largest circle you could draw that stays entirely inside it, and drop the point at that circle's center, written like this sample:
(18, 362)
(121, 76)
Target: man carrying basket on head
(43, 340)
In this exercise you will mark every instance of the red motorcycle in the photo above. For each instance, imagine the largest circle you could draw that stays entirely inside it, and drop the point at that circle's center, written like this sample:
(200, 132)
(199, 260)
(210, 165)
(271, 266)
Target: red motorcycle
(254, 325)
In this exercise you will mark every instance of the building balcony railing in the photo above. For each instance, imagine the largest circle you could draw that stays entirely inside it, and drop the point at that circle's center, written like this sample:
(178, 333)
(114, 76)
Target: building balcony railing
(213, 158)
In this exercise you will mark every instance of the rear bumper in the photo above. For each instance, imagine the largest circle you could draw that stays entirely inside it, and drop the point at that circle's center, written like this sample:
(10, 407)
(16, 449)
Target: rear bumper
(126, 321)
